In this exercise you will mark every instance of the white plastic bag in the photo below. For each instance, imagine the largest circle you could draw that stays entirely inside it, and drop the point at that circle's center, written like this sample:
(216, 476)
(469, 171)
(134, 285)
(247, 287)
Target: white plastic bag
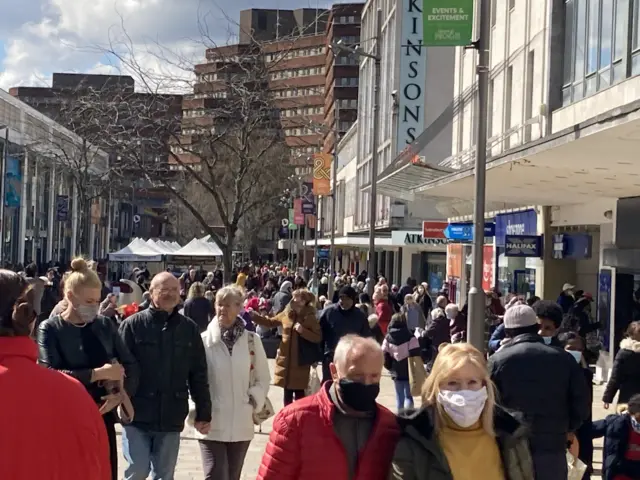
(191, 416)
(314, 382)
(576, 467)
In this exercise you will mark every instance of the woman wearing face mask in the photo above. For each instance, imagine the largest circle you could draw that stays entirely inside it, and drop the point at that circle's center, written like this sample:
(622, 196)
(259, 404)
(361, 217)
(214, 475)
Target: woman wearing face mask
(298, 321)
(460, 433)
(87, 346)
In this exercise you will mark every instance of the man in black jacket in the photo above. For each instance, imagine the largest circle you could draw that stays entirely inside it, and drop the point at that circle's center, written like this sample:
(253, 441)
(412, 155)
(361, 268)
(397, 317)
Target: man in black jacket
(338, 320)
(172, 363)
(545, 385)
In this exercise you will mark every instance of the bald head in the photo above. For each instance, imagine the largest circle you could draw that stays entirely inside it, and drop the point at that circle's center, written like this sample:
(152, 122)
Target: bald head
(165, 291)
(358, 359)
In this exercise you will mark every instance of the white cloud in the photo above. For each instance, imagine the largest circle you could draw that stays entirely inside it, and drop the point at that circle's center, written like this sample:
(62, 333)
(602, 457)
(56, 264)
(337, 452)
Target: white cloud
(45, 36)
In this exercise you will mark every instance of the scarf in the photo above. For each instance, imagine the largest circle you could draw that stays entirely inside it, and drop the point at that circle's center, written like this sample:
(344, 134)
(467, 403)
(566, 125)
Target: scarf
(231, 334)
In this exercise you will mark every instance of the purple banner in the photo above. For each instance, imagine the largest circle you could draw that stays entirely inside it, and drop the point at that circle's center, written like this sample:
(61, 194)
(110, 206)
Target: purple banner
(308, 199)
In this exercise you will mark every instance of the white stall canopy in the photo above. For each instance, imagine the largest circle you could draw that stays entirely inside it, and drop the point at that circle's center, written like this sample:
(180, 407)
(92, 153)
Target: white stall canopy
(137, 251)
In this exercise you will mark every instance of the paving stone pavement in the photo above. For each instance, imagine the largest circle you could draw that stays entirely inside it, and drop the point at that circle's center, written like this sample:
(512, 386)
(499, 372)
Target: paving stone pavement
(190, 468)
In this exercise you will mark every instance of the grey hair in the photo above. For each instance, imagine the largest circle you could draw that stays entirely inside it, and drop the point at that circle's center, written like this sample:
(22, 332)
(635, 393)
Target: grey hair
(348, 343)
(451, 308)
(230, 293)
(436, 313)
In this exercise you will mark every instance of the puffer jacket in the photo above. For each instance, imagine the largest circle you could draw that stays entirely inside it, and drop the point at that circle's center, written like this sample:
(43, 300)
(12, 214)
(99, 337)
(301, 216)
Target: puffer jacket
(288, 373)
(625, 375)
(172, 360)
(304, 446)
(398, 346)
(418, 456)
(615, 429)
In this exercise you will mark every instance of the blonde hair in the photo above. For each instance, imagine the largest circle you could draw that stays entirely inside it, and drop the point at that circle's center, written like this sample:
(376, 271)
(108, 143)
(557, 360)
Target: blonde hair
(196, 290)
(306, 296)
(81, 276)
(230, 293)
(450, 359)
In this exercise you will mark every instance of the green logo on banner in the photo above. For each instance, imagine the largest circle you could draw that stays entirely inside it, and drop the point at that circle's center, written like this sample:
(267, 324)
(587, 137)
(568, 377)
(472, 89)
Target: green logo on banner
(448, 23)
(292, 225)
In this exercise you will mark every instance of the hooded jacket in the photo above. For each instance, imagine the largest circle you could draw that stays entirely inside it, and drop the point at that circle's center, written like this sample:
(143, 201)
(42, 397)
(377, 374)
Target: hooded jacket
(398, 346)
(615, 430)
(625, 375)
(282, 298)
(418, 455)
(335, 323)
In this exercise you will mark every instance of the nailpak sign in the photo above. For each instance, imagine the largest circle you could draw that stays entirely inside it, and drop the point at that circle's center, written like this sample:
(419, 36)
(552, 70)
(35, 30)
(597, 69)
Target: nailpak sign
(413, 61)
(448, 23)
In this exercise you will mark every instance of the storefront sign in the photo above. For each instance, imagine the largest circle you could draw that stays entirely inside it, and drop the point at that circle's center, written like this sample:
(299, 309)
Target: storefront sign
(448, 23)
(414, 237)
(434, 229)
(413, 61)
(323, 253)
(523, 246)
(575, 246)
(487, 267)
(463, 232)
(518, 223)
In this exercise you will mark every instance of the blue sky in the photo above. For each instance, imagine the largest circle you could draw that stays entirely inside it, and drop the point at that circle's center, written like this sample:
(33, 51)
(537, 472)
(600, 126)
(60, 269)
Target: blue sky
(39, 37)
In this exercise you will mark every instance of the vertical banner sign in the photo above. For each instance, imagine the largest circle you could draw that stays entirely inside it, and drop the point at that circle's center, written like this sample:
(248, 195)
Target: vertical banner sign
(487, 267)
(298, 216)
(62, 208)
(308, 200)
(604, 306)
(13, 182)
(448, 23)
(311, 221)
(322, 174)
(292, 224)
(413, 64)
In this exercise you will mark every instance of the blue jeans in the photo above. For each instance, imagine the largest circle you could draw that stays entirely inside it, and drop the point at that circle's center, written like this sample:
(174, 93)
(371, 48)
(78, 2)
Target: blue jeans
(404, 399)
(150, 451)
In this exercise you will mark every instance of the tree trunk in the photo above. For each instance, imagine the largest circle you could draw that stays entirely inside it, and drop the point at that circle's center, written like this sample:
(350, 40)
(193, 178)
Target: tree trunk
(227, 258)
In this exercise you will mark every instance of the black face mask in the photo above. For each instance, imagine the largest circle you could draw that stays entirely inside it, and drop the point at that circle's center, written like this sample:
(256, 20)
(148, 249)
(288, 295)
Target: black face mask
(359, 396)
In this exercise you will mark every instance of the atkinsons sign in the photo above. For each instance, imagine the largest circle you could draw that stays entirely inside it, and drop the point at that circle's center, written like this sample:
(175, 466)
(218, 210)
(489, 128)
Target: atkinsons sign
(413, 60)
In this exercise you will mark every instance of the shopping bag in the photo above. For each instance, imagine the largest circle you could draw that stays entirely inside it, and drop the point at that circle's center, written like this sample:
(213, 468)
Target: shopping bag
(417, 375)
(191, 416)
(314, 382)
(576, 467)
(267, 411)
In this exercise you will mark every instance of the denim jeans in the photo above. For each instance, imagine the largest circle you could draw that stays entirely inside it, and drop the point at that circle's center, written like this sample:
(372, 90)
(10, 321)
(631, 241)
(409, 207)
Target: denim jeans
(404, 399)
(149, 451)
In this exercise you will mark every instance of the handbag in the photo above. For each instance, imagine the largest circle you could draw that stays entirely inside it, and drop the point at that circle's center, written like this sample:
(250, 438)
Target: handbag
(308, 352)
(267, 411)
(417, 375)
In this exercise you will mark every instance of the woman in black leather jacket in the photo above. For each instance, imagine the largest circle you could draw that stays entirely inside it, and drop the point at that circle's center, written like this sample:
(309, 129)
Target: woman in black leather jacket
(87, 346)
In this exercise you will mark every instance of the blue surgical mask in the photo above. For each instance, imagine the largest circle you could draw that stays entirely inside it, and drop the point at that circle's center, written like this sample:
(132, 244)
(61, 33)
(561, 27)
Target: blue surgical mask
(635, 424)
(547, 340)
(576, 354)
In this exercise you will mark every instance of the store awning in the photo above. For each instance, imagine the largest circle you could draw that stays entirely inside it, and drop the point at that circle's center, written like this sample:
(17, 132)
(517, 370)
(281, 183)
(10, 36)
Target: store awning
(401, 181)
(351, 241)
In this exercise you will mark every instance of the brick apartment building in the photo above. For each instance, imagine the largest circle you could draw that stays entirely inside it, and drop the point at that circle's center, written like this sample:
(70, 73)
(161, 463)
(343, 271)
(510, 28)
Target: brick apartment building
(148, 203)
(342, 70)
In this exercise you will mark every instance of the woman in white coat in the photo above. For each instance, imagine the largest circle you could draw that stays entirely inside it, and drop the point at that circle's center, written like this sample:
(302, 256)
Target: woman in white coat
(236, 392)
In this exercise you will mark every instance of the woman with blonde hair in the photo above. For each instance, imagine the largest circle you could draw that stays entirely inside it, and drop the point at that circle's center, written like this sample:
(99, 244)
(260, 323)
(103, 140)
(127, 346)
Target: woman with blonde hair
(86, 346)
(197, 307)
(460, 433)
(301, 337)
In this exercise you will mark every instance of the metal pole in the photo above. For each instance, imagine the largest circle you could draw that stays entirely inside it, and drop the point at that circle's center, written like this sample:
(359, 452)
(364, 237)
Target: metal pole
(3, 168)
(315, 247)
(334, 223)
(374, 153)
(476, 319)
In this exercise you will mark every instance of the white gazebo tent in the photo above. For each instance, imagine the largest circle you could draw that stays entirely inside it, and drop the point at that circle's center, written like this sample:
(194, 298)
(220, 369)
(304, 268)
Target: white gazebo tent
(137, 251)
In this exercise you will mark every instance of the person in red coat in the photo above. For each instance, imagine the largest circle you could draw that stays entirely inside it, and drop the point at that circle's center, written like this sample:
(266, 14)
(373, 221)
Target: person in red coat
(341, 432)
(383, 308)
(51, 428)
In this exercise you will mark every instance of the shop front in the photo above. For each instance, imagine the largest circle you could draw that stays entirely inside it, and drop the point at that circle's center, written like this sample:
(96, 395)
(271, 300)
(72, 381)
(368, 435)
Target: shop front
(422, 257)
(518, 251)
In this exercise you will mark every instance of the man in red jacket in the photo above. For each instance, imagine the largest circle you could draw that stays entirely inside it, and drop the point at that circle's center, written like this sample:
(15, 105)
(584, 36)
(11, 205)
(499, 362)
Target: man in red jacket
(340, 433)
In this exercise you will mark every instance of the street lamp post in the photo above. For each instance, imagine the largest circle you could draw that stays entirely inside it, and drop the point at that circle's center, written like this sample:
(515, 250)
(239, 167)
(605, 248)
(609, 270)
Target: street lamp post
(376, 57)
(475, 321)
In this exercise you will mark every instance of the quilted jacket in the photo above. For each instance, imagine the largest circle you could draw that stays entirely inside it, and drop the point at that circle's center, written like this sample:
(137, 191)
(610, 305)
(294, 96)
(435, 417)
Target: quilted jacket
(315, 452)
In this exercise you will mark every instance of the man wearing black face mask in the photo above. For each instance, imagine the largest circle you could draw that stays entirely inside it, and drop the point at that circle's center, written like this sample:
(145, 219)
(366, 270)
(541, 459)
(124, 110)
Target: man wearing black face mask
(339, 320)
(342, 418)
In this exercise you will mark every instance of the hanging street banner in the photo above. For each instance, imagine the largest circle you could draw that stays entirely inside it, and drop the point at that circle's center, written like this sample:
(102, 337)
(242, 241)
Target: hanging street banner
(322, 174)
(292, 223)
(62, 208)
(447, 23)
(298, 216)
(308, 200)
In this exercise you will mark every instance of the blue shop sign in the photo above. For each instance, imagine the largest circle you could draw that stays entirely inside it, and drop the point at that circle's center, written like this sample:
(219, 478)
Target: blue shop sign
(463, 232)
(518, 223)
(574, 246)
(523, 246)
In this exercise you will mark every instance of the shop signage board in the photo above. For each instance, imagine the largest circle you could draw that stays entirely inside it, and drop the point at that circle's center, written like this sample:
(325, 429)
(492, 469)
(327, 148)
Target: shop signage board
(434, 229)
(523, 246)
(517, 223)
(414, 237)
(447, 23)
(413, 72)
(463, 232)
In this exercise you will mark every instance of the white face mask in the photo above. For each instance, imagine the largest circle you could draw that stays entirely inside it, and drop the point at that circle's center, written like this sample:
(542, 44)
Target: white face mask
(547, 340)
(464, 407)
(575, 354)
